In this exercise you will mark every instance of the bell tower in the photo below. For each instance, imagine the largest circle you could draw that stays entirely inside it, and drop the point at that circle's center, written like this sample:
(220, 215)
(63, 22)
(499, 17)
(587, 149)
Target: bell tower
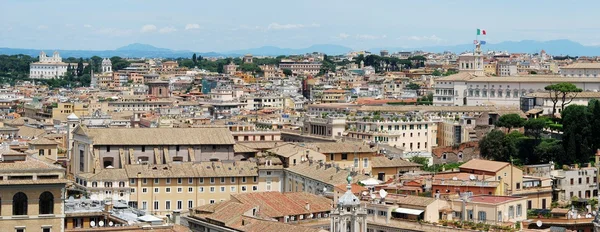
(348, 215)
(472, 62)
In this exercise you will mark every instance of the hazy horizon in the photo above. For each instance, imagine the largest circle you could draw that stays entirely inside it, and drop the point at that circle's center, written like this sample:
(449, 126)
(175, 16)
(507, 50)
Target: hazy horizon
(222, 27)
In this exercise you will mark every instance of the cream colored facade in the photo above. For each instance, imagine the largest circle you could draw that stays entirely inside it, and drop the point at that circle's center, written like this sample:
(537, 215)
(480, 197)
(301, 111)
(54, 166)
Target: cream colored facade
(32, 194)
(411, 135)
(485, 209)
(456, 132)
(490, 69)
(164, 194)
(62, 110)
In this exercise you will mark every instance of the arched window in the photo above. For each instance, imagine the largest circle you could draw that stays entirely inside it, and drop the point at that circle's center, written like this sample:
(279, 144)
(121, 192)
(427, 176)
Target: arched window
(20, 204)
(46, 203)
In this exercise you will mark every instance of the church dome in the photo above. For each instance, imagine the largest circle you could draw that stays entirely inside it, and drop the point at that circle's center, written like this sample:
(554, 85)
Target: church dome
(348, 199)
(72, 117)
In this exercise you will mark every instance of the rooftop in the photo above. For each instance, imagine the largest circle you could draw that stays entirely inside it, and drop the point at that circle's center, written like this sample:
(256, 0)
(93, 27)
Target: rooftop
(490, 199)
(484, 165)
(325, 173)
(161, 136)
(582, 65)
(384, 162)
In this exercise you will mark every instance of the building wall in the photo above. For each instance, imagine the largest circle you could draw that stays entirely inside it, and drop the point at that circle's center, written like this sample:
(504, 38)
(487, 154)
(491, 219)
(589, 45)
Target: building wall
(536, 200)
(32, 221)
(389, 172)
(586, 189)
(256, 136)
(492, 211)
(200, 193)
(350, 160)
(469, 90)
(200, 152)
(298, 183)
(409, 135)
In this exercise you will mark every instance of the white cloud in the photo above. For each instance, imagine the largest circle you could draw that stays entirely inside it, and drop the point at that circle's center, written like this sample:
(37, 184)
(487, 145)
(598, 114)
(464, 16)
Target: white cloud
(87, 26)
(42, 27)
(165, 30)
(113, 32)
(277, 26)
(343, 35)
(432, 38)
(367, 36)
(246, 27)
(191, 26)
(148, 28)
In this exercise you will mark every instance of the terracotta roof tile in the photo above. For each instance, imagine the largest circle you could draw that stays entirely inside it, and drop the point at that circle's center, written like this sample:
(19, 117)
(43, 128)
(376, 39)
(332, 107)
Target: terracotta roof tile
(384, 162)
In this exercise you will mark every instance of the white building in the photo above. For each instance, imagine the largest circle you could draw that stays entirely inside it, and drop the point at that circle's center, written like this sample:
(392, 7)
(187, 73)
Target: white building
(506, 69)
(544, 102)
(472, 88)
(48, 67)
(106, 65)
(581, 70)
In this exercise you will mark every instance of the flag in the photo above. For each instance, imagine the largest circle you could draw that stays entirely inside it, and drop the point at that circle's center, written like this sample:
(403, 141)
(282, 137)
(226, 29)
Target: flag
(480, 32)
(475, 42)
(482, 42)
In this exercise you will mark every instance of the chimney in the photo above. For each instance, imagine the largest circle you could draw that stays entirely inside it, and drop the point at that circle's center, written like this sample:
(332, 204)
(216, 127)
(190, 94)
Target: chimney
(307, 206)
(108, 206)
(176, 217)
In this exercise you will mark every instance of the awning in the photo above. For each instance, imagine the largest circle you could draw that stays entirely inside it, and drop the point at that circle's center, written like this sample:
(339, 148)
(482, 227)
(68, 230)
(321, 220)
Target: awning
(408, 211)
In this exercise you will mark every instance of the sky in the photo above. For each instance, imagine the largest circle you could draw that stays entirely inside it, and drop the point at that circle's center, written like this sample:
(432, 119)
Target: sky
(226, 25)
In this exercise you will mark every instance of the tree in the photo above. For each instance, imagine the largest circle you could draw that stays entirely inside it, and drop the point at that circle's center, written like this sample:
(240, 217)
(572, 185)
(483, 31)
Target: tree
(534, 127)
(194, 59)
(550, 150)
(287, 72)
(449, 72)
(80, 67)
(576, 134)
(118, 63)
(249, 67)
(436, 73)
(413, 86)
(497, 146)
(510, 121)
(565, 92)
(594, 123)
(420, 160)
(96, 63)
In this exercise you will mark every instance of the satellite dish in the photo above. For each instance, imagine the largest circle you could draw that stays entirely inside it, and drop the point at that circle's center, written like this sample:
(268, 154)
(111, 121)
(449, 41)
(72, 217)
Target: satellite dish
(471, 177)
(382, 193)
(101, 223)
(111, 224)
(373, 196)
(538, 223)
(454, 178)
(92, 223)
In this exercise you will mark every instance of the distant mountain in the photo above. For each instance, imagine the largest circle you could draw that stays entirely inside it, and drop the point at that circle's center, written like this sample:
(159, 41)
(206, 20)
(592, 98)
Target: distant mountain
(132, 50)
(330, 49)
(142, 47)
(553, 47)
